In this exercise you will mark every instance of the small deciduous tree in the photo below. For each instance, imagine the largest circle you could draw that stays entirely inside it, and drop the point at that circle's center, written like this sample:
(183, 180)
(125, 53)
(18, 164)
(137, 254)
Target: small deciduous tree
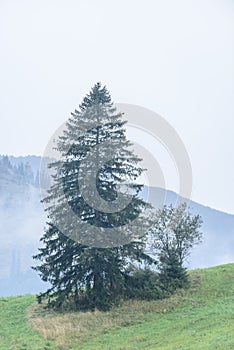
(173, 234)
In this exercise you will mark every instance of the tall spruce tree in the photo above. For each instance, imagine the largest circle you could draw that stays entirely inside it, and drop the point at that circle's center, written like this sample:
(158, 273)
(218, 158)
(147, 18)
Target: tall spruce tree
(87, 261)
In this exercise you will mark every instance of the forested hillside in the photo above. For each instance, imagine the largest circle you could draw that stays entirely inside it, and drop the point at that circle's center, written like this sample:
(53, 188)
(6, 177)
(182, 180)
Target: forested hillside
(21, 222)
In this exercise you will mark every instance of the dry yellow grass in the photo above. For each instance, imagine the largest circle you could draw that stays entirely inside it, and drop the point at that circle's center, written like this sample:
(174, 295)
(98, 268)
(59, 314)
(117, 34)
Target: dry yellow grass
(67, 328)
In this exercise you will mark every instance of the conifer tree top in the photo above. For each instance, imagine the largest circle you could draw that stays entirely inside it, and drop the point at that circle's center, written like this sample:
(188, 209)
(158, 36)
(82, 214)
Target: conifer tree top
(98, 95)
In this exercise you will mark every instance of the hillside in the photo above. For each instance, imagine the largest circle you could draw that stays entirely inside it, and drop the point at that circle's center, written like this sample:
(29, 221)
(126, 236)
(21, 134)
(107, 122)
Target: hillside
(201, 317)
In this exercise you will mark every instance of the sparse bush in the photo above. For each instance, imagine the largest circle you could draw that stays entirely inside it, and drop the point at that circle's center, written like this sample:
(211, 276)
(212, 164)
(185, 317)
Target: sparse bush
(143, 284)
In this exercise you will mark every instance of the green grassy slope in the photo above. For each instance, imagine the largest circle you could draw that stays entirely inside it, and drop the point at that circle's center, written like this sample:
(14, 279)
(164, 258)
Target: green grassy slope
(199, 318)
(15, 331)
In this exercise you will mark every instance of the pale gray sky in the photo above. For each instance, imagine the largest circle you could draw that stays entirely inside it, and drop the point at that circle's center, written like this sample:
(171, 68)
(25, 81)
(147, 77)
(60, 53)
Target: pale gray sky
(174, 57)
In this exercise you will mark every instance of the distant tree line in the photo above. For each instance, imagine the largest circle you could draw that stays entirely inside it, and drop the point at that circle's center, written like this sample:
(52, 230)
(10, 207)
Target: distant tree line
(21, 173)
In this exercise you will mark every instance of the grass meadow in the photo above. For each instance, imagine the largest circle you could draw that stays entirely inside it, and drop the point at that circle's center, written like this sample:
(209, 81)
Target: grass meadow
(201, 317)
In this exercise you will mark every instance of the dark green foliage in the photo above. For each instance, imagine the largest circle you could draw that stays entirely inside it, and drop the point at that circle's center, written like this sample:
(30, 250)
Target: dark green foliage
(143, 284)
(86, 268)
(83, 275)
(172, 274)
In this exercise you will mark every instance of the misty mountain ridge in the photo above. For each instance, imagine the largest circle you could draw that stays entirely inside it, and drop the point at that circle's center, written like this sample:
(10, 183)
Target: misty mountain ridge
(22, 222)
